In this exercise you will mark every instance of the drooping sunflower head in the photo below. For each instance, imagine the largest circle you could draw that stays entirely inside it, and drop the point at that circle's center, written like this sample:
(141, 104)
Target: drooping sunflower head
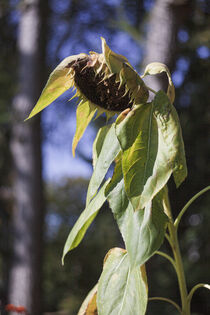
(107, 81)
(104, 82)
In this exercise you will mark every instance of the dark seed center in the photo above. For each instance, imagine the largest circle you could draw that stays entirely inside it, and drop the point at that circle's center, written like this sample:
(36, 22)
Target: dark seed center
(104, 93)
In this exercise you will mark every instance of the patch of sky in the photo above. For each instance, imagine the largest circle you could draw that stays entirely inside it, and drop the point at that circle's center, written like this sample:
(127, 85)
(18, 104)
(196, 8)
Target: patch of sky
(203, 52)
(183, 36)
(113, 2)
(14, 13)
(123, 44)
(182, 66)
(178, 78)
(59, 6)
(58, 161)
(148, 4)
(53, 222)
(184, 100)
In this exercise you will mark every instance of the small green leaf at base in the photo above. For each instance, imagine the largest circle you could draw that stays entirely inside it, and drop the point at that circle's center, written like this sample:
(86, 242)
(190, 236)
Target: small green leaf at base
(121, 291)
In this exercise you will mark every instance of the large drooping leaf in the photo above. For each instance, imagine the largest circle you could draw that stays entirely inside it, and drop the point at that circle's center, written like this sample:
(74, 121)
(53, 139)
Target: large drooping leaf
(59, 81)
(89, 306)
(157, 67)
(170, 129)
(143, 231)
(146, 162)
(78, 231)
(106, 148)
(121, 291)
(85, 113)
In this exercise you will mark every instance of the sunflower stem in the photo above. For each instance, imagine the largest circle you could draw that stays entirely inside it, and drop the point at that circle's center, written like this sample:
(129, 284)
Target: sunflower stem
(177, 258)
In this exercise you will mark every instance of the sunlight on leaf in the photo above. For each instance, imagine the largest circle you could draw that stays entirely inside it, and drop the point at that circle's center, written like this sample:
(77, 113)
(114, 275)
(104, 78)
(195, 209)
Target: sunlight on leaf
(144, 161)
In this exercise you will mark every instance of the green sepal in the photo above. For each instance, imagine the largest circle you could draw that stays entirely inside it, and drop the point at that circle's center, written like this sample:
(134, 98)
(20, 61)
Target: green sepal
(114, 61)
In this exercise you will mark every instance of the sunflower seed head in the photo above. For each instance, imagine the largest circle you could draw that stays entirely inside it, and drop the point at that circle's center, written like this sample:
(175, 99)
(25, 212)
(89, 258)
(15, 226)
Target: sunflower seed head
(107, 80)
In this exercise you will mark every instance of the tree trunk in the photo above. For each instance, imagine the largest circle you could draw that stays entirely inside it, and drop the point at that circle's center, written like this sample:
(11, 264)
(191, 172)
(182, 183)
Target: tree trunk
(27, 222)
(161, 45)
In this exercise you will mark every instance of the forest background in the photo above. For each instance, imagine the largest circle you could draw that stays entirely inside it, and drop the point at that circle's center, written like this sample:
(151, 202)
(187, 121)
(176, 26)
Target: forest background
(42, 188)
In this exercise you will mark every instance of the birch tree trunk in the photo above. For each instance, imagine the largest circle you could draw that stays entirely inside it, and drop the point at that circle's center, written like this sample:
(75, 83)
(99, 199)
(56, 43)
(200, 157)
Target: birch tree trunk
(27, 222)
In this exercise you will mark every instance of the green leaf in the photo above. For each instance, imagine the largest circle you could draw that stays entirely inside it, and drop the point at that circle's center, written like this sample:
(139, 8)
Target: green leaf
(121, 291)
(85, 113)
(59, 81)
(157, 67)
(146, 231)
(106, 148)
(145, 158)
(171, 134)
(89, 306)
(143, 231)
(88, 215)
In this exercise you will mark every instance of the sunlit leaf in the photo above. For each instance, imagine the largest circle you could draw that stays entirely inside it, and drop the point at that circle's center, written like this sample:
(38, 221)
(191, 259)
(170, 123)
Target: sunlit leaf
(170, 129)
(157, 67)
(106, 148)
(145, 160)
(85, 113)
(121, 291)
(59, 81)
(86, 218)
(89, 306)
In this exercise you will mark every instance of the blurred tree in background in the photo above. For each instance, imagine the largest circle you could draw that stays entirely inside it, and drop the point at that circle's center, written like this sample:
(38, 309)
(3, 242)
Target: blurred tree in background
(180, 32)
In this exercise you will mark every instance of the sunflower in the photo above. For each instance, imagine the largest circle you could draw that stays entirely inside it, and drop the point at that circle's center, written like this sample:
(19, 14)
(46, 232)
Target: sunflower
(104, 83)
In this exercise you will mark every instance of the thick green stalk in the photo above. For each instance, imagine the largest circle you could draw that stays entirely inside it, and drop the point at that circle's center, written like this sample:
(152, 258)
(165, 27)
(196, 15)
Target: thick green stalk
(177, 258)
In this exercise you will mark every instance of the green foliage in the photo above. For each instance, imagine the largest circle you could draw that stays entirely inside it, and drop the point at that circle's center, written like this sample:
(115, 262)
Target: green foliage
(147, 146)
(121, 289)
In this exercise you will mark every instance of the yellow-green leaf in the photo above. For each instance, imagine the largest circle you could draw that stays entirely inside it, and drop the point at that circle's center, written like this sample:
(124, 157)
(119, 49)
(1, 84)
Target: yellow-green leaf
(59, 81)
(85, 113)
